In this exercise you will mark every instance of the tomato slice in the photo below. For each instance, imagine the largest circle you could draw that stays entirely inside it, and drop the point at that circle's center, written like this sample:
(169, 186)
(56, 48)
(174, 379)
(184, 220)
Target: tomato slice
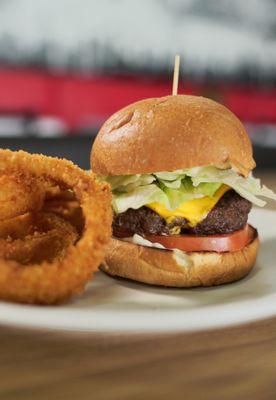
(235, 241)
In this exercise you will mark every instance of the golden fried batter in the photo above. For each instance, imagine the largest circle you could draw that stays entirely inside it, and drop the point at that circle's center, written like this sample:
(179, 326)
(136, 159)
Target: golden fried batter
(19, 193)
(53, 282)
(46, 238)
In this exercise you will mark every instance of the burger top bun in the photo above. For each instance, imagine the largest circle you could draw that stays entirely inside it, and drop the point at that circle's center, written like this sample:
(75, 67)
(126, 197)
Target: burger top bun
(170, 133)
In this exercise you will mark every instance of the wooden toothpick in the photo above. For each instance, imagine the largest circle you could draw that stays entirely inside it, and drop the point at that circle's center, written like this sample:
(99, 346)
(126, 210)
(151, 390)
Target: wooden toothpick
(176, 74)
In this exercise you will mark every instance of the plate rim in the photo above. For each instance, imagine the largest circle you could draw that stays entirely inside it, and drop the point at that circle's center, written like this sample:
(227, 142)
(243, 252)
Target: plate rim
(105, 322)
(61, 320)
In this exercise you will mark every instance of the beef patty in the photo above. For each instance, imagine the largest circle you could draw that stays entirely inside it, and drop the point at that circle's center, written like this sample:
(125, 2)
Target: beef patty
(143, 221)
(229, 214)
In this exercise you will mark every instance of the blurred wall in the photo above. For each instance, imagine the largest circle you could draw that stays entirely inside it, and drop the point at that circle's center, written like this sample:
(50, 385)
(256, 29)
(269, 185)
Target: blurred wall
(65, 66)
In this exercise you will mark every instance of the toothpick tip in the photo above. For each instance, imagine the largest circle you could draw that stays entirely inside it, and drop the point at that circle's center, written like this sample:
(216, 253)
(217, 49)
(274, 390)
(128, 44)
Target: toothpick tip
(176, 74)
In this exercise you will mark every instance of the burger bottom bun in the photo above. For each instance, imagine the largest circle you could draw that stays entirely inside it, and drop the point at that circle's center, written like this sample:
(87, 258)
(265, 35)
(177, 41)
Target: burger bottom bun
(158, 267)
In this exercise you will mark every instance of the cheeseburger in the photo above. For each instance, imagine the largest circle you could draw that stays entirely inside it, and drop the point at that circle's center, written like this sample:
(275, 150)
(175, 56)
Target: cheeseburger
(179, 168)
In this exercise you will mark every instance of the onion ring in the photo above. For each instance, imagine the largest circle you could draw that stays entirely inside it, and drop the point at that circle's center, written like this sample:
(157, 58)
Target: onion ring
(46, 238)
(51, 283)
(66, 206)
(17, 227)
(19, 194)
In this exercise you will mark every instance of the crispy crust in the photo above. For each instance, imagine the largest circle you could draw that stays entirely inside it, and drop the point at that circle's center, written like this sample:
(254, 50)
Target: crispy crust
(158, 267)
(170, 133)
(19, 194)
(50, 283)
(46, 238)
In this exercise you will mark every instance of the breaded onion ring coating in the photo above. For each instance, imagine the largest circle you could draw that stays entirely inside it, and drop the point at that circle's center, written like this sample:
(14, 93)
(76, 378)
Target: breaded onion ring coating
(17, 227)
(46, 238)
(66, 206)
(51, 283)
(19, 193)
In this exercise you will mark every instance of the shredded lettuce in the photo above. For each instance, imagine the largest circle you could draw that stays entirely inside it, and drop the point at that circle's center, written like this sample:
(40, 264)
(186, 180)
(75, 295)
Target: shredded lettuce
(173, 188)
(138, 197)
(250, 188)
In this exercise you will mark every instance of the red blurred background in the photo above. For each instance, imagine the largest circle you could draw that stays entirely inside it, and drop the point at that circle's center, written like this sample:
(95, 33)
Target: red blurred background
(79, 102)
(66, 66)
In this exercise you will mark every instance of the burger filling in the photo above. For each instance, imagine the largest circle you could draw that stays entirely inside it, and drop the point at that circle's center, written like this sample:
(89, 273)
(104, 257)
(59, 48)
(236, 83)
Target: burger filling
(202, 208)
(228, 215)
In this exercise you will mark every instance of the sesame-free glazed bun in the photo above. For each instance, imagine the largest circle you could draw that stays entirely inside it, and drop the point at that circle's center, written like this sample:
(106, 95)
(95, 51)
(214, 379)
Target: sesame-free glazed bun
(158, 267)
(170, 133)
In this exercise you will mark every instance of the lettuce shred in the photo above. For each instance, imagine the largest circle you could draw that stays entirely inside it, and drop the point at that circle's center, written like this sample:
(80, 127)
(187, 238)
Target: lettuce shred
(173, 188)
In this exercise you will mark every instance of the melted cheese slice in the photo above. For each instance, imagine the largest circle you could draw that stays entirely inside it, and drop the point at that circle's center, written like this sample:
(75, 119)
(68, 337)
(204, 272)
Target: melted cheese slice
(193, 210)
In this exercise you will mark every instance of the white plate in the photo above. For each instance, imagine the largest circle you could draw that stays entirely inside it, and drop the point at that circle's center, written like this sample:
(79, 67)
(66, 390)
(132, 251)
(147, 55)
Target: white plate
(113, 305)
